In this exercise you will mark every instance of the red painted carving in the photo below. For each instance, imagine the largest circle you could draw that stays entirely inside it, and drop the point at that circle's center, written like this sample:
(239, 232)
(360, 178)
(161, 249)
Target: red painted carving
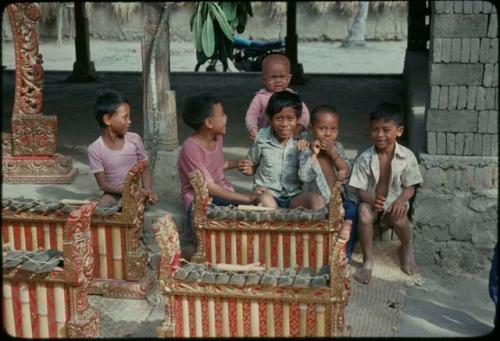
(75, 276)
(38, 169)
(137, 280)
(29, 71)
(6, 144)
(79, 262)
(167, 238)
(33, 135)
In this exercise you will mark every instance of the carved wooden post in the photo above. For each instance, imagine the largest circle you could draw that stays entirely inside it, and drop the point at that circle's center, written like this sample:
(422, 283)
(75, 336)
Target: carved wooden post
(160, 117)
(83, 68)
(29, 152)
(160, 114)
(291, 43)
(78, 263)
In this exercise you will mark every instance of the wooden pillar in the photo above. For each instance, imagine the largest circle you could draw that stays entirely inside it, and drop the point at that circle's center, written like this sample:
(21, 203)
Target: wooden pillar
(160, 116)
(291, 43)
(83, 68)
(418, 29)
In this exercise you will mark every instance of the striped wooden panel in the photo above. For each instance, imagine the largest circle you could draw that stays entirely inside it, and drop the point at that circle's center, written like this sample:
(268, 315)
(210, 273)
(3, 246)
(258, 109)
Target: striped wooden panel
(272, 249)
(197, 316)
(35, 309)
(34, 235)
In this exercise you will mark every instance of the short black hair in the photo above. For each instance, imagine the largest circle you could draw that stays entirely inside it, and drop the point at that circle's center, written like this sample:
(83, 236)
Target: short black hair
(388, 112)
(197, 108)
(283, 99)
(320, 109)
(107, 102)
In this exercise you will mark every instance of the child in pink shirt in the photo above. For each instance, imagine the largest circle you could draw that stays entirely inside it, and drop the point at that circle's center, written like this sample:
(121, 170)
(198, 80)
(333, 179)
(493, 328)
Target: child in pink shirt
(116, 150)
(203, 150)
(276, 77)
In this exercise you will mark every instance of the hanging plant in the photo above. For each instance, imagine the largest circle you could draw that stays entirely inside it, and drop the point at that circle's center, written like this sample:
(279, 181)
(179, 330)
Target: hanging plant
(213, 25)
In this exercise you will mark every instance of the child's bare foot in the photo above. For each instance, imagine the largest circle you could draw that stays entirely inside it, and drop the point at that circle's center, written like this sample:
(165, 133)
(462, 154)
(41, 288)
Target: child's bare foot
(364, 274)
(408, 263)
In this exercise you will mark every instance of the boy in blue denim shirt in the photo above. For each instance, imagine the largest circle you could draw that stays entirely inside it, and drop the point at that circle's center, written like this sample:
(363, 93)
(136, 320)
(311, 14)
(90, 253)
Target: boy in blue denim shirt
(273, 157)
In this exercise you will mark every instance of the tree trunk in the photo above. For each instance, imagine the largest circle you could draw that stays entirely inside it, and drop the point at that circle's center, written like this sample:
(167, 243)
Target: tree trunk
(357, 31)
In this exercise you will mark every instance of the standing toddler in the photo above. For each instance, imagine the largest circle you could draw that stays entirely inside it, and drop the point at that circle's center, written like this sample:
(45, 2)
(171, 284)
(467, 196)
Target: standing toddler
(276, 77)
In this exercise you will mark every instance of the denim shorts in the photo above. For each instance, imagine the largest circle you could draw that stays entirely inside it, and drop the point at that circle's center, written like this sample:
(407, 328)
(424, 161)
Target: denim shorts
(186, 232)
(284, 202)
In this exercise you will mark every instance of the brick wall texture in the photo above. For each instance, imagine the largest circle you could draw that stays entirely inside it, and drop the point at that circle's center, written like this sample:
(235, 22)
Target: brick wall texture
(462, 115)
(455, 219)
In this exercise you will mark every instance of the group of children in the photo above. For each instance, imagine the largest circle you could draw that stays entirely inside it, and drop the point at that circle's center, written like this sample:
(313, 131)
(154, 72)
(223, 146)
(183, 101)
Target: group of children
(295, 159)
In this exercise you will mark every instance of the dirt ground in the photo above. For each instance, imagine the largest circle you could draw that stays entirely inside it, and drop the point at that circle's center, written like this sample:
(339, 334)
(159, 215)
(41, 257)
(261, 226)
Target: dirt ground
(316, 57)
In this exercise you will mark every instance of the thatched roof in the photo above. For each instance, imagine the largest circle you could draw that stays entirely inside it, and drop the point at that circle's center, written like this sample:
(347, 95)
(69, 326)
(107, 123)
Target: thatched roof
(276, 9)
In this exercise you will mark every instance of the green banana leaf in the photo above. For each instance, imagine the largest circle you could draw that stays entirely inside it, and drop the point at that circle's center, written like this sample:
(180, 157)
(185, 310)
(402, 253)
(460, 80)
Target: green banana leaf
(221, 19)
(198, 25)
(213, 25)
(229, 9)
(208, 37)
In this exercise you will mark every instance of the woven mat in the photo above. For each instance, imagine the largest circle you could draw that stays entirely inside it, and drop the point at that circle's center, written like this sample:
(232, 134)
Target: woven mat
(375, 309)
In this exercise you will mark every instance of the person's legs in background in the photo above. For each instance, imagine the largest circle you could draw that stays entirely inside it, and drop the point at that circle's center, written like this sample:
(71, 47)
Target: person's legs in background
(351, 213)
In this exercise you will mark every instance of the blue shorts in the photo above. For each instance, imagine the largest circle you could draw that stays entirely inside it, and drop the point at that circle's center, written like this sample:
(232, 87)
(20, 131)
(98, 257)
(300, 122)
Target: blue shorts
(284, 202)
(186, 233)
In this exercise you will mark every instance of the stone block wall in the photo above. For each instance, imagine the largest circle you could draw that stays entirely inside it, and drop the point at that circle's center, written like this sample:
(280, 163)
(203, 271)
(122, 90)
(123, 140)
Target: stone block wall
(455, 209)
(455, 212)
(462, 116)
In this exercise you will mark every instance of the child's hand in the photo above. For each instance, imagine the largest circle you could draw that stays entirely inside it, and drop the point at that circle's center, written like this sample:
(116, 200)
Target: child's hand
(341, 176)
(379, 203)
(302, 145)
(328, 146)
(255, 198)
(315, 147)
(151, 196)
(260, 190)
(246, 166)
(252, 133)
(397, 210)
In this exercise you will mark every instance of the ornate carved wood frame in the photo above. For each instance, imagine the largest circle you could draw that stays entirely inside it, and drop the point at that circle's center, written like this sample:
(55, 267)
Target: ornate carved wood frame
(29, 152)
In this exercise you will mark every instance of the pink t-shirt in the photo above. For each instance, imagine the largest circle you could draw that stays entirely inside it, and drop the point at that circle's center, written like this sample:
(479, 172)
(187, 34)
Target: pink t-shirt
(210, 163)
(116, 163)
(256, 112)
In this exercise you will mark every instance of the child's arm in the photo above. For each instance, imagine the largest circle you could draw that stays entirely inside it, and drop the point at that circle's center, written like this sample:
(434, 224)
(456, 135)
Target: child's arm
(376, 203)
(245, 166)
(303, 121)
(304, 118)
(215, 190)
(252, 116)
(398, 207)
(147, 184)
(105, 185)
(147, 181)
(339, 163)
(360, 179)
(308, 163)
(230, 164)
(249, 165)
(410, 177)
